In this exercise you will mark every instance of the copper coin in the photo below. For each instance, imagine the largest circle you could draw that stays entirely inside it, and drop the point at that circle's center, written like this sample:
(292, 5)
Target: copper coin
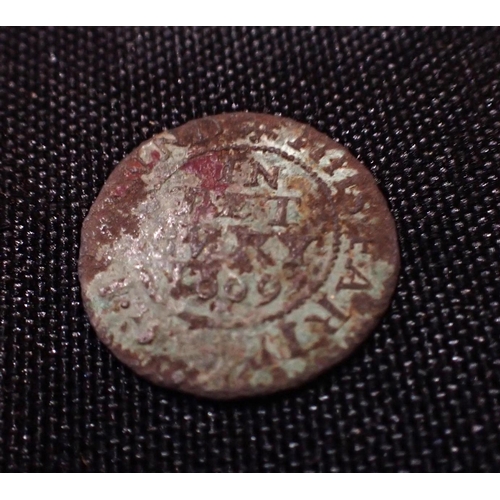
(237, 255)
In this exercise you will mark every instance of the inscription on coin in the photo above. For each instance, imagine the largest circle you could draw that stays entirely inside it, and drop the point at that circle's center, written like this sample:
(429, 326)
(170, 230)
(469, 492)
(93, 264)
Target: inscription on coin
(239, 254)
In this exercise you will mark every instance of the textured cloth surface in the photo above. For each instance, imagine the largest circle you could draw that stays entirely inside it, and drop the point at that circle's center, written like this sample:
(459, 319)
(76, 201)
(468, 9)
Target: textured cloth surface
(421, 109)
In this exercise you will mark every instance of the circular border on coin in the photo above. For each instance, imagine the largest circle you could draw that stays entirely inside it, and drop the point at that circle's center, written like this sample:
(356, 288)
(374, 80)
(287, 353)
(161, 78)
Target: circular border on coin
(237, 255)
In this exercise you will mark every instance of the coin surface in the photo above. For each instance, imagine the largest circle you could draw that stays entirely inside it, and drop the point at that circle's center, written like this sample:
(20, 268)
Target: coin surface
(237, 255)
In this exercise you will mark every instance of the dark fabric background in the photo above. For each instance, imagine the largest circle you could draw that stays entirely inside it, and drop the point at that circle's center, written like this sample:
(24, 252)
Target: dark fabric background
(420, 107)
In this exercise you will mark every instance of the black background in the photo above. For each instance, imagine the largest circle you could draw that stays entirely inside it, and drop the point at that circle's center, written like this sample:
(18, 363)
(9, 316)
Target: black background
(420, 107)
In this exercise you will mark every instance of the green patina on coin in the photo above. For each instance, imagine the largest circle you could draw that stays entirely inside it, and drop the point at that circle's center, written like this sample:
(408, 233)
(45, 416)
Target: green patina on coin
(237, 255)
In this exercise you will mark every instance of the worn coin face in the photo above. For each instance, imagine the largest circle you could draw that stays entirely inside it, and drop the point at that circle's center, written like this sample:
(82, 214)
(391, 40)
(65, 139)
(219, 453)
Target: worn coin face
(237, 255)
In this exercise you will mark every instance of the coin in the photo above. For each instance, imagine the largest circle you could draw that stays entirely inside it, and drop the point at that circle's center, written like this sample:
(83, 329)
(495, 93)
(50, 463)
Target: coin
(237, 255)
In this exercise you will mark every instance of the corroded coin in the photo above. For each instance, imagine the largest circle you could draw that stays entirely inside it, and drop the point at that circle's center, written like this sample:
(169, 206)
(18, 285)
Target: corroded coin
(237, 255)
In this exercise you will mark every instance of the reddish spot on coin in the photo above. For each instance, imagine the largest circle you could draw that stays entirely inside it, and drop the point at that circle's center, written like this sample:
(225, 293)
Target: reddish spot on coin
(133, 169)
(237, 255)
(120, 191)
(209, 169)
(155, 157)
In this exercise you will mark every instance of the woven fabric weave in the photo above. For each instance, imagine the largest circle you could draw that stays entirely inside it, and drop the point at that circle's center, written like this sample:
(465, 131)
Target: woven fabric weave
(420, 107)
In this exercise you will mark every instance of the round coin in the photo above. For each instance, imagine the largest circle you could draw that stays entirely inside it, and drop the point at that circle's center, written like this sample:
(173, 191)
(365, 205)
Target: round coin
(237, 255)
